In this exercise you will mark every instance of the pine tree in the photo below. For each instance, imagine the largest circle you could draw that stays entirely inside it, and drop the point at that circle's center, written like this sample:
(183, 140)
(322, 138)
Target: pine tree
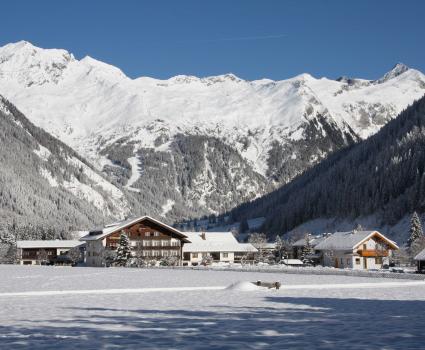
(307, 248)
(123, 251)
(416, 232)
(282, 248)
(416, 242)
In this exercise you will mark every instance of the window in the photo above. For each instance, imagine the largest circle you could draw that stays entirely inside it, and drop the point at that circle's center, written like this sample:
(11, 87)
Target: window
(156, 234)
(156, 243)
(146, 243)
(165, 243)
(194, 255)
(378, 260)
(225, 255)
(147, 234)
(357, 261)
(175, 243)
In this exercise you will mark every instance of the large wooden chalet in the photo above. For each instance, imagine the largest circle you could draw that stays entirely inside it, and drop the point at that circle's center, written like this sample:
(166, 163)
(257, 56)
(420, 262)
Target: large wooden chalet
(153, 238)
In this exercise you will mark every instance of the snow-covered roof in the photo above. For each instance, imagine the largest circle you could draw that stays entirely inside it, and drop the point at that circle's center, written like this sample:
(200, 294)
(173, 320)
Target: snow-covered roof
(313, 241)
(56, 243)
(215, 242)
(350, 240)
(420, 256)
(100, 233)
(292, 262)
(266, 245)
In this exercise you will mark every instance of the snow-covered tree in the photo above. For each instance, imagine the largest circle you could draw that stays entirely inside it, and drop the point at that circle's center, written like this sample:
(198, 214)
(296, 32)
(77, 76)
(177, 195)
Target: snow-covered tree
(307, 249)
(416, 241)
(415, 230)
(123, 253)
(259, 241)
(207, 260)
(282, 248)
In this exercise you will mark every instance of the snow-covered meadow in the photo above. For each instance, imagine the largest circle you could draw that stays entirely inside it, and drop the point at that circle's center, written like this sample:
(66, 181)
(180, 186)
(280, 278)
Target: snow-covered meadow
(90, 308)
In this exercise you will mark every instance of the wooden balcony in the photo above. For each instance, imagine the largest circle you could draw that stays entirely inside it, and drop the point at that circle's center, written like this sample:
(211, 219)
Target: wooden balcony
(372, 252)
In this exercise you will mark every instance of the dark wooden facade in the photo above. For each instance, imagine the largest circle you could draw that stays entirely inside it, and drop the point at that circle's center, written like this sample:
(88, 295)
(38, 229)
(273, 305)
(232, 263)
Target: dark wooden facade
(149, 238)
(39, 254)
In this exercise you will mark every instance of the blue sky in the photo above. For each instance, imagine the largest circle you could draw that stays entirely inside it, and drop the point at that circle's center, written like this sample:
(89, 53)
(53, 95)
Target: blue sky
(252, 39)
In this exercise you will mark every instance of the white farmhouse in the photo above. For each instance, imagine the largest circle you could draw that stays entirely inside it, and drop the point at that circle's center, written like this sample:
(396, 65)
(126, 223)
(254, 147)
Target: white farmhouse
(356, 249)
(220, 246)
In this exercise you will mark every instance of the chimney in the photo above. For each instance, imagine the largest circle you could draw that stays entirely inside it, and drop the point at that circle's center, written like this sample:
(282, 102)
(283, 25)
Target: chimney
(203, 236)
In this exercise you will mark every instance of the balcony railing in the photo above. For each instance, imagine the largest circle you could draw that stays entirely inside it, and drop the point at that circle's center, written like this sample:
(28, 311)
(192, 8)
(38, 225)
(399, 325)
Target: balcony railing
(372, 252)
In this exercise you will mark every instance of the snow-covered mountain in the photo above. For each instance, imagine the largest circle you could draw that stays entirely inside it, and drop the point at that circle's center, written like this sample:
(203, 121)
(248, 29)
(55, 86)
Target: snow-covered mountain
(205, 143)
(44, 182)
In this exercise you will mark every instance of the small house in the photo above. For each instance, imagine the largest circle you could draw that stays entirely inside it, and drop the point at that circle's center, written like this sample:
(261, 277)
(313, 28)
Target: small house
(46, 252)
(214, 246)
(356, 250)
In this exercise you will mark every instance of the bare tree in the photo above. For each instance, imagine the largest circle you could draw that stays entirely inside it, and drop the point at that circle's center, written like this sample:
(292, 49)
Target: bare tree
(107, 256)
(74, 255)
(259, 241)
(42, 256)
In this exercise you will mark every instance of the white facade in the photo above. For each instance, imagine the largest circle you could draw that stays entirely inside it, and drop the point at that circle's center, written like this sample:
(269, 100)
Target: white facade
(362, 250)
(94, 251)
(218, 246)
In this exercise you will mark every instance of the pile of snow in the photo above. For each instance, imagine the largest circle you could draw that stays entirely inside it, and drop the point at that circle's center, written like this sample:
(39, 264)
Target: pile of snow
(244, 287)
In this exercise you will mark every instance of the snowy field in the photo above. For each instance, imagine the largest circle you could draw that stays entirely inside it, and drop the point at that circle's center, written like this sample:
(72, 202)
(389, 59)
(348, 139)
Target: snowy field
(89, 308)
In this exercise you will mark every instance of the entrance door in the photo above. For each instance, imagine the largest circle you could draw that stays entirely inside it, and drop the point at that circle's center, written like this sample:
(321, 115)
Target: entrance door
(336, 262)
(365, 263)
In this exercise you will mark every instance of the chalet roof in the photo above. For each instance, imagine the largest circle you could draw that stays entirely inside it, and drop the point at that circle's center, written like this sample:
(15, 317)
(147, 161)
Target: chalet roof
(100, 233)
(350, 240)
(420, 256)
(314, 240)
(215, 242)
(56, 243)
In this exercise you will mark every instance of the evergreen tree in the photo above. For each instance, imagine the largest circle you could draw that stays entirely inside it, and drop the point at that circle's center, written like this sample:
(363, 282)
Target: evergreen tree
(416, 232)
(416, 241)
(123, 251)
(307, 248)
(244, 226)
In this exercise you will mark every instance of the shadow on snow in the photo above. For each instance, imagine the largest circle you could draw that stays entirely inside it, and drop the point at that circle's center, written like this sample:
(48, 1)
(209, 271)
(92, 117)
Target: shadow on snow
(289, 322)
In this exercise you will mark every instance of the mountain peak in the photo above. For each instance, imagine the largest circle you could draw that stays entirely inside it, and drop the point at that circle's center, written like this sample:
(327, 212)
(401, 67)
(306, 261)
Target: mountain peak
(397, 70)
